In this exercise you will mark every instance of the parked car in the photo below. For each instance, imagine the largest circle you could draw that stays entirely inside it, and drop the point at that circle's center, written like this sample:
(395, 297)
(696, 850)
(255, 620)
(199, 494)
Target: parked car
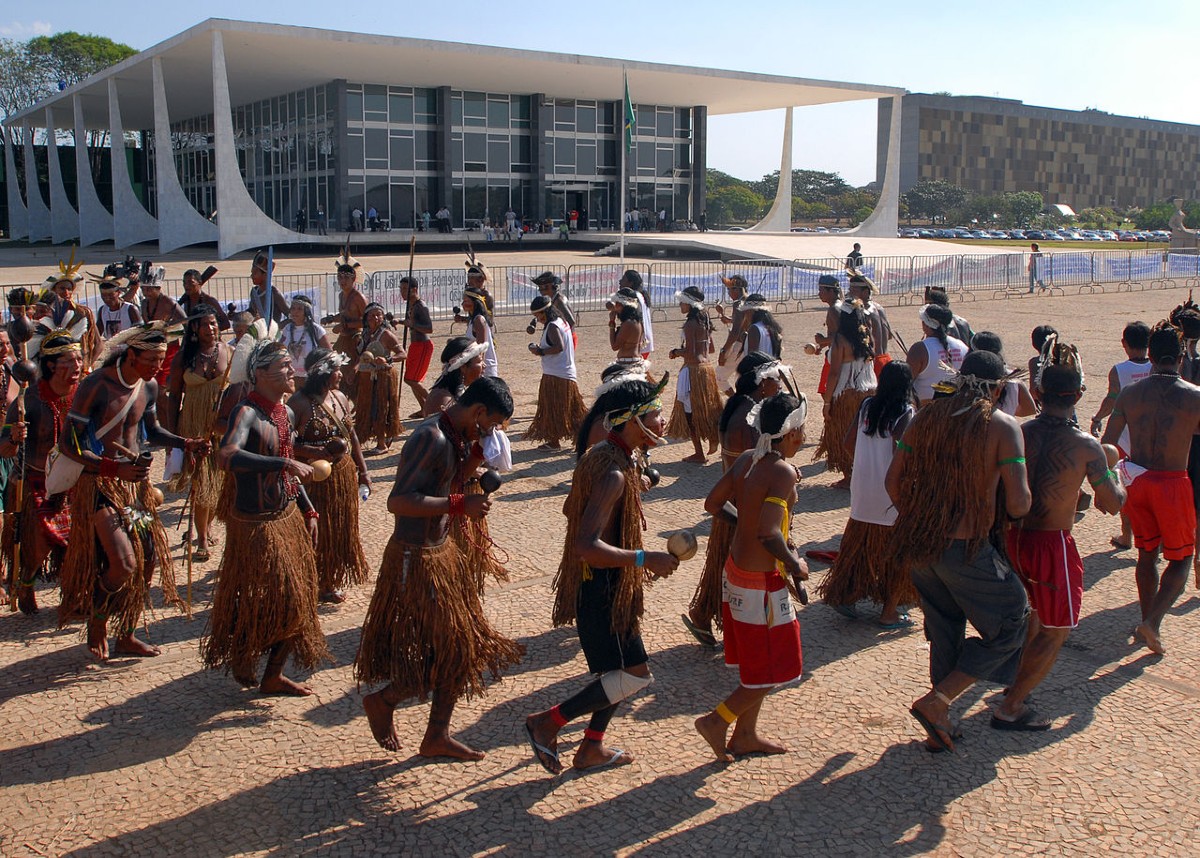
(1018, 234)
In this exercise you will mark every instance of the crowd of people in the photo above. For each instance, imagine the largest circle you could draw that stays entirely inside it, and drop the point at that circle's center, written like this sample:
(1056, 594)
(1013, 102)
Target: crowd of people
(956, 505)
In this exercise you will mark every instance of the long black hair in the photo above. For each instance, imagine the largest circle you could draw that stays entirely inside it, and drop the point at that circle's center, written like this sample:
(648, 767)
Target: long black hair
(891, 399)
(945, 318)
(774, 330)
(852, 325)
(745, 387)
(309, 323)
(452, 381)
(191, 336)
(622, 397)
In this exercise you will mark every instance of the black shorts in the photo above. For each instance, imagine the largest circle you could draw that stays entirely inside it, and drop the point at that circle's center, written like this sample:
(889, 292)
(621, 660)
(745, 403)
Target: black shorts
(604, 650)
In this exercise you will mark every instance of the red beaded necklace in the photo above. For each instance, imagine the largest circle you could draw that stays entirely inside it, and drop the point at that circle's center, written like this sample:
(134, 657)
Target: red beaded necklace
(277, 413)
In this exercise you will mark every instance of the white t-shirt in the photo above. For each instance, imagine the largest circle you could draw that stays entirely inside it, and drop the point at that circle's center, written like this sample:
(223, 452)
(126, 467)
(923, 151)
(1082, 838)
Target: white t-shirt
(933, 373)
(560, 364)
(1129, 372)
(869, 501)
(299, 344)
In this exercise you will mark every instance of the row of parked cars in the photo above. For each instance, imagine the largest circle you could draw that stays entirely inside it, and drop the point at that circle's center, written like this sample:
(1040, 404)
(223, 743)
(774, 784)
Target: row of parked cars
(1064, 234)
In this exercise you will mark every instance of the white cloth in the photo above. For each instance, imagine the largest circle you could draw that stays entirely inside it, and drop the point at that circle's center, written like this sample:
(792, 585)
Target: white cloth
(683, 388)
(112, 322)
(855, 375)
(869, 501)
(299, 343)
(560, 364)
(1129, 372)
(647, 327)
(933, 372)
(497, 450)
(491, 366)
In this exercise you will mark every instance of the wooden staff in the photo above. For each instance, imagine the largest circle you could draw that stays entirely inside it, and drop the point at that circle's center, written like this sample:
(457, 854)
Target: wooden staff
(412, 252)
(18, 501)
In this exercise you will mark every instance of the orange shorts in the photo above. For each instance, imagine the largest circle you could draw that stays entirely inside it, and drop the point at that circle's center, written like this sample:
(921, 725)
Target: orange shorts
(824, 377)
(417, 362)
(1161, 513)
(880, 362)
(762, 634)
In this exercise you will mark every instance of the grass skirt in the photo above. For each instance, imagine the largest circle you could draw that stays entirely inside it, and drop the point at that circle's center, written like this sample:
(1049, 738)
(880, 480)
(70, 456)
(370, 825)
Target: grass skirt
(227, 497)
(426, 629)
(560, 410)
(706, 601)
(83, 594)
(377, 405)
(706, 406)
(842, 412)
(474, 540)
(265, 593)
(340, 560)
(195, 421)
(867, 568)
(33, 529)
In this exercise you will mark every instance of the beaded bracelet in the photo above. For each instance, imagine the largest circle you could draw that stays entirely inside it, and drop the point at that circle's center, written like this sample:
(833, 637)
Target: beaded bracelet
(313, 515)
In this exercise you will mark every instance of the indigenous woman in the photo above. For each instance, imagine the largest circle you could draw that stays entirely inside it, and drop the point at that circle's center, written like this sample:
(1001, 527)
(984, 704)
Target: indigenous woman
(560, 408)
(758, 378)
(697, 410)
(198, 374)
(625, 328)
(1016, 400)
(377, 393)
(462, 363)
(301, 334)
(325, 430)
(479, 328)
(548, 284)
(865, 567)
(929, 358)
(852, 377)
(764, 334)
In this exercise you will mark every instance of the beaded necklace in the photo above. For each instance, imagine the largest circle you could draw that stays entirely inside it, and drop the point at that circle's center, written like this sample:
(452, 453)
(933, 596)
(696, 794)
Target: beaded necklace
(277, 413)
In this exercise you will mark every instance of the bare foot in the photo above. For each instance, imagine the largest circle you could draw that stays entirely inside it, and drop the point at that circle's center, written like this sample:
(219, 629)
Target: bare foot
(97, 639)
(27, 601)
(1119, 544)
(698, 458)
(130, 645)
(712, 729)
(712, 448)
(445, 746)
(246, 679)
(1150, 637)
(284, 686)
(335, 597)
(594, 755)
(379, 717)
(740, 746)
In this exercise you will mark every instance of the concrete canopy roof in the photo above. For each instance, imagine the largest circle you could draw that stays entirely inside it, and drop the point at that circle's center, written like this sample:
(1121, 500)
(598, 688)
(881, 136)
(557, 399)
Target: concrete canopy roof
(266, 60)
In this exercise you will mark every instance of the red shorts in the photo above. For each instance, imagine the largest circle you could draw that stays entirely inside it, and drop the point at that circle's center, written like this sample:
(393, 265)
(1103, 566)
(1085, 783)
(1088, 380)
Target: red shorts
(1161, 513)
(880, 362)
(161, 376)
(1048, 565)
(762, 634)
(417, 362)
(824, 377)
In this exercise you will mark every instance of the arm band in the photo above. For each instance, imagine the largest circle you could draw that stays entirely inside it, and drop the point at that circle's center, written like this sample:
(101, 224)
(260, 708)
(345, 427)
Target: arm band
(1110, 474)
(900, 445)
(458, 505)
(639, 558)
(1013, 460)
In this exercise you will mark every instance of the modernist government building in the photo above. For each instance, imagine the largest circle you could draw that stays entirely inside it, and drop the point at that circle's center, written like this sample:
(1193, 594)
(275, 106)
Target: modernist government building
(264, 121)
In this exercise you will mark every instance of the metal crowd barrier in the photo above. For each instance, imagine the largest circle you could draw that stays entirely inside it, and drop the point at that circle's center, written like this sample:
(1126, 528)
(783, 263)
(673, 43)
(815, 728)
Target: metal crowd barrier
(787, 284)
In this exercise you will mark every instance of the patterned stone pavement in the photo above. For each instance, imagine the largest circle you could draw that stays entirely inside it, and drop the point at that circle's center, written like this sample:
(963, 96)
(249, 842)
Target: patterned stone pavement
(159, 757)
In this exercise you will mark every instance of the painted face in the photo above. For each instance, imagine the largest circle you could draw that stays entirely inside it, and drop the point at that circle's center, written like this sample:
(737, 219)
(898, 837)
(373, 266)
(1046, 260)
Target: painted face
(68, 369)
(145, 364)
(280, 373)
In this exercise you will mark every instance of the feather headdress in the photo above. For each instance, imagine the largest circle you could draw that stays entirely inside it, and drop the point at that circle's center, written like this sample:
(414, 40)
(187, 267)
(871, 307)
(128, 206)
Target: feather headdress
(260, 331)
(1055, 353)
(346, 260)
(150, 336)
(42, 333)
(67, 271)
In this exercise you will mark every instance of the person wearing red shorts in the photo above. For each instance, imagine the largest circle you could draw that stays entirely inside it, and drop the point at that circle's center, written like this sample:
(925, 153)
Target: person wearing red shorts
(829, 292)
(762, 634)
(1162, 413)
(1059, 456)
(420, 349)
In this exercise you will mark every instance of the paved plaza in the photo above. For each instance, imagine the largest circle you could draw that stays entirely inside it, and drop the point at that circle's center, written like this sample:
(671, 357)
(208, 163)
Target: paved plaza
(159, 757)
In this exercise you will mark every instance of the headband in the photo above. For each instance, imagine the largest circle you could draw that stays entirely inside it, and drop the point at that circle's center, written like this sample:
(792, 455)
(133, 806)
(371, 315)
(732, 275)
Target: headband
(794, 421)
(67, 271)
(629, 372)
(148, 337)
(691, 301)
(928, 319)
(1055, 353)
(624, 300)
(264, 353)
(621, 416)
(754, 305)
(771, 369)
(73, 346)
(956, 382)
(464, 357)
(329, 364)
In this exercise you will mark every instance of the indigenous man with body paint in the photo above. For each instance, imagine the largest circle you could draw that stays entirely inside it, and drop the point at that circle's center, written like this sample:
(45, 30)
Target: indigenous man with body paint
(762, 633)
(604, 569)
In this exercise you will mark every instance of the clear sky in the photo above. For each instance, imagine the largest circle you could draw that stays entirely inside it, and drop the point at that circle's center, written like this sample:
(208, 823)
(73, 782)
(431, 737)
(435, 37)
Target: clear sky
(1113, 55)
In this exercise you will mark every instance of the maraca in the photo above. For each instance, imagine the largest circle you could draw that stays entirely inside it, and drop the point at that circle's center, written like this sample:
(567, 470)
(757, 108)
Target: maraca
(682, 545)
(321, 470)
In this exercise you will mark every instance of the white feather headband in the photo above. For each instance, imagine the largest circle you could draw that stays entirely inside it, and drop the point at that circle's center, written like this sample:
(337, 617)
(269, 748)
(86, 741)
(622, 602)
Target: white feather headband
(683, 298)
(794, 421)
(464, 357)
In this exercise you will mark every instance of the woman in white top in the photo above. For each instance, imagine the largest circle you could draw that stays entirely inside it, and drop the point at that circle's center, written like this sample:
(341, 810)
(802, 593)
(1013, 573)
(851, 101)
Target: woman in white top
(631, 279)
(1015, 400)
(925, 358)
(301, 333)
(764, 333)
(851, 378)
(863, 568)
(560, 408)
(479, 328)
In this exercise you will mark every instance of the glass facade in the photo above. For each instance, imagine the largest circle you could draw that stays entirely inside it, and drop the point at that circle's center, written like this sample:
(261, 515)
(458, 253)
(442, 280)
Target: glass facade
(408, 150)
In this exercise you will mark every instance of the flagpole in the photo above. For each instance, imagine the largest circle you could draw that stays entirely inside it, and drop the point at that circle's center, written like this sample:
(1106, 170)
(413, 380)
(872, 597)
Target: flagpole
(621, 177)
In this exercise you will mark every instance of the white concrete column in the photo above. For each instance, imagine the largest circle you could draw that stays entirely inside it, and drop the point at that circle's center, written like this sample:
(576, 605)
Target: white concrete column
(179, 223)
(132, 224)
(95, 221)
(241, 224)
(779, 218)
(64, 220)
(18, 215)
(39, 215)
(885, 219)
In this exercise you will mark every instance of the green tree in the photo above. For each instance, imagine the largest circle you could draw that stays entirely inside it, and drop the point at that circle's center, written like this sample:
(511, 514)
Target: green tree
(1022, 207)
(934, 199)
(1157, 216)
(69, 57)
(734, 204)
(809, 185)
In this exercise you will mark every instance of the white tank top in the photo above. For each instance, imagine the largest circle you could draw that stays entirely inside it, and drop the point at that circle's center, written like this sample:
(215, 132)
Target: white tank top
(491, 366)
(112, 322)
(647, 328)
(933, 373)
(869, 501)
(1128, 372)
(765, 343)
(561, 364)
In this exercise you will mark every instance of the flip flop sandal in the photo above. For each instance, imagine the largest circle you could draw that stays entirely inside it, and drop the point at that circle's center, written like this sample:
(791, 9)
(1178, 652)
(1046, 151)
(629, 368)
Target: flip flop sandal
(902, 623)
(200, 555)
(702, 635)
(1028, 721)
(617, 754)
(541, 752)
(934, 732)
(847, 611)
